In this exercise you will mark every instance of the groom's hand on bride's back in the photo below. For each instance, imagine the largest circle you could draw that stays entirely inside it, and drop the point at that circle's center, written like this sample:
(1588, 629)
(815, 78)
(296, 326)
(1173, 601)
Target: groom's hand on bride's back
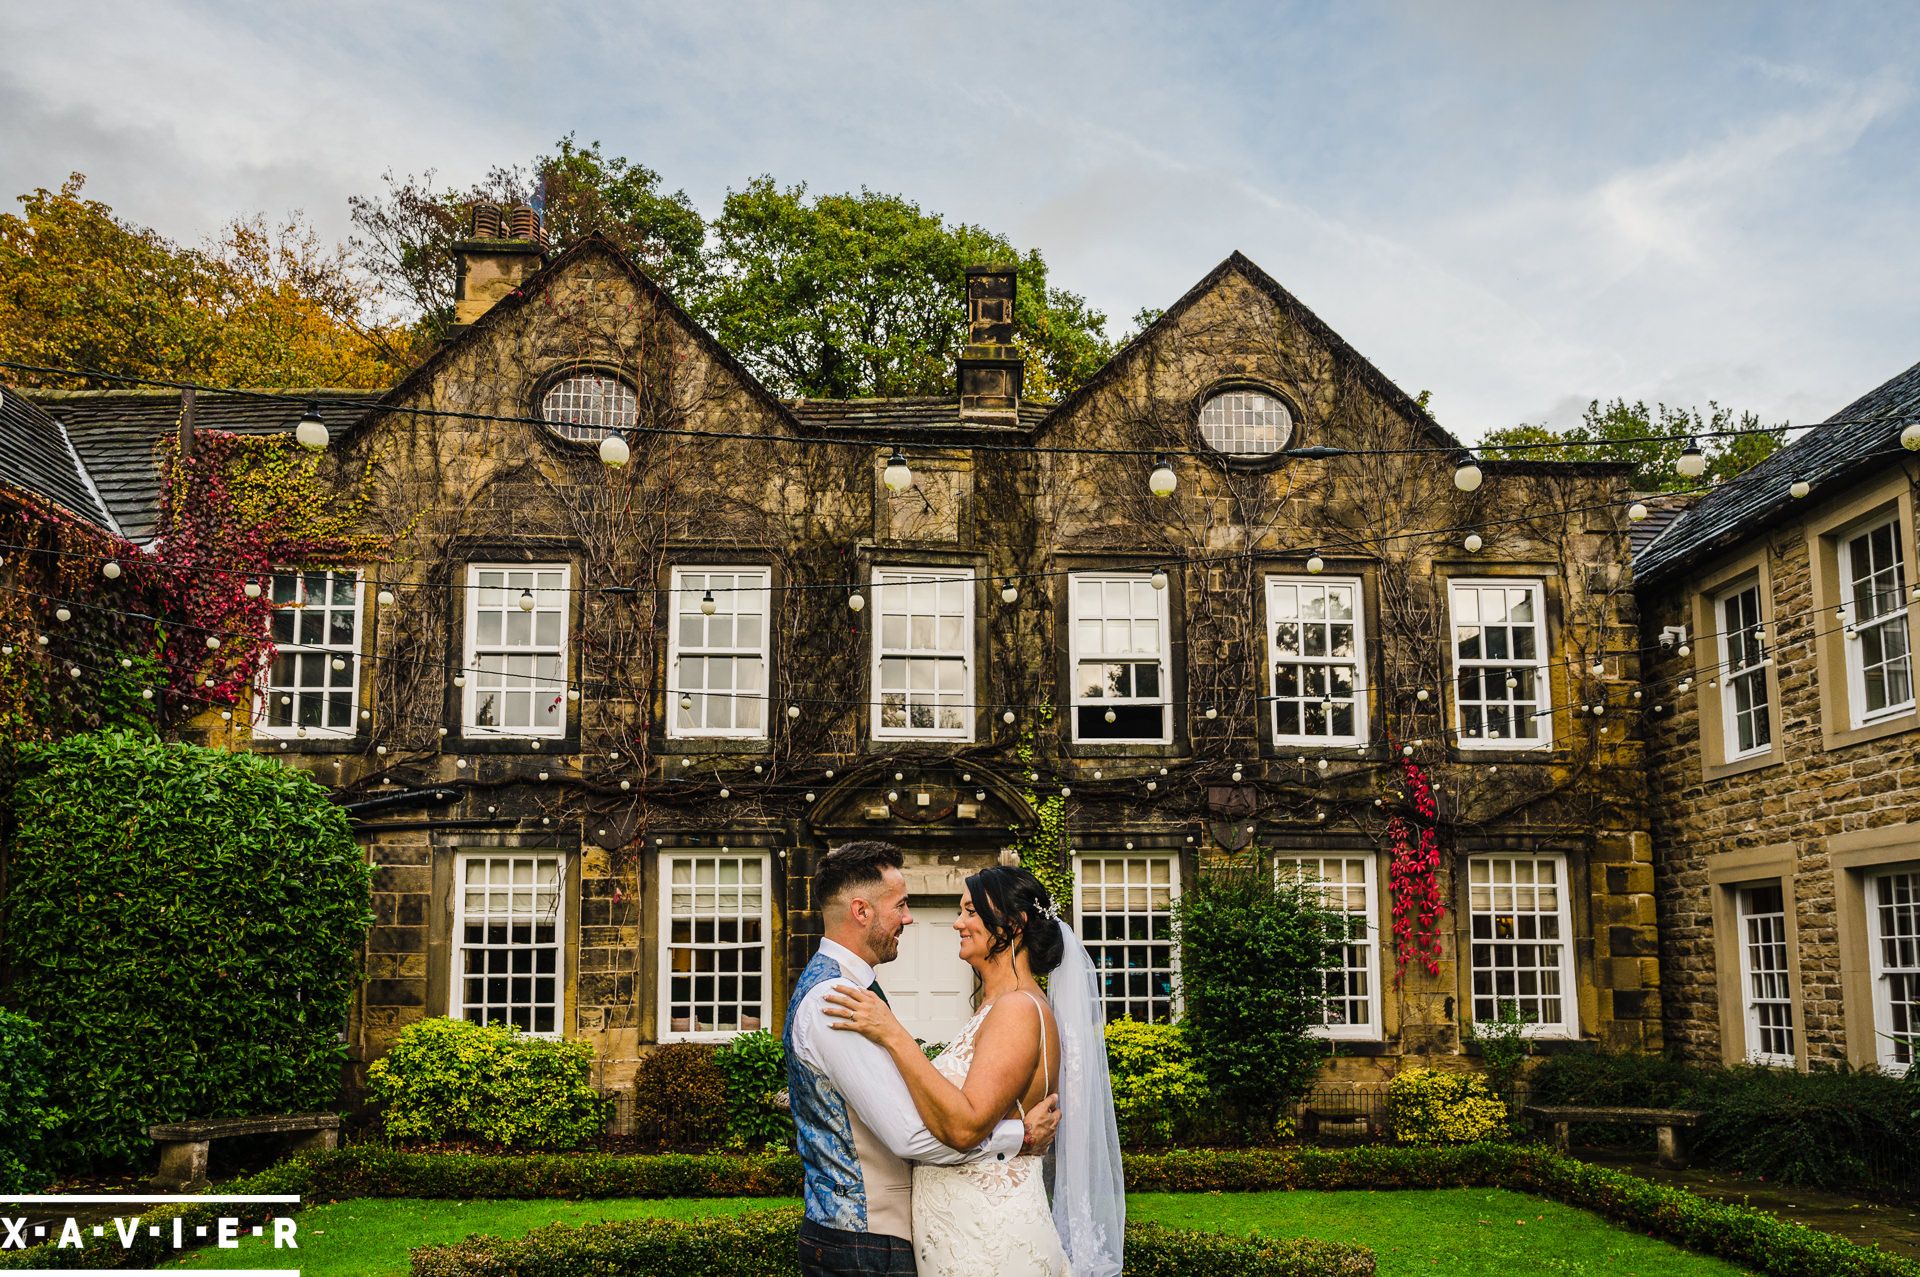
(1041, 1123)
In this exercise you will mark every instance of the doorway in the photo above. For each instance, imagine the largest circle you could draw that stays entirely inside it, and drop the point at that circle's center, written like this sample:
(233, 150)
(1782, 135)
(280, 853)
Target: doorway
(930, 989)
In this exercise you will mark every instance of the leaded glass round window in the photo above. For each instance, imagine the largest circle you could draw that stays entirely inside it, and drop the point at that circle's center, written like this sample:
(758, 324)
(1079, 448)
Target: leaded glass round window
(588, 406)
(1246, 423)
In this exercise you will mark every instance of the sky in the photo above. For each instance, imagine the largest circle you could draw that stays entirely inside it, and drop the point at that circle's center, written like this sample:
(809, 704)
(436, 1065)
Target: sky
(1517, 207)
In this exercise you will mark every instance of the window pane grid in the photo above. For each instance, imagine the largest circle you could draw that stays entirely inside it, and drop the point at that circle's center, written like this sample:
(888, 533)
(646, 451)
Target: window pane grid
(1246, 423)
(1746, 709)
(1317, 651)
(516, 666)
(1125, 915)
(720, 661)
(316, 621)
(508, 960)
(1119, 654)
(1518, 922)
(1894, 949)
(1764, 975)
(1499, 651)
(589, 406)
(1345, 884)
(923, 653)
(714, 939)
(1879, 656)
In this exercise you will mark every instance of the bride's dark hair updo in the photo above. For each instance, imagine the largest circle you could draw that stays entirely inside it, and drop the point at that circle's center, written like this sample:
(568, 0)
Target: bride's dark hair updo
(1013, 905)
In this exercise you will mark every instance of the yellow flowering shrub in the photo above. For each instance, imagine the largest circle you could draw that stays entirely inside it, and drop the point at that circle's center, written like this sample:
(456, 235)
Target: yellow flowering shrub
(1432, 1107)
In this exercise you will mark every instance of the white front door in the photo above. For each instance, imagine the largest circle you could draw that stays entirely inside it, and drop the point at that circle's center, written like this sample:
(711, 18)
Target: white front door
(930, 989)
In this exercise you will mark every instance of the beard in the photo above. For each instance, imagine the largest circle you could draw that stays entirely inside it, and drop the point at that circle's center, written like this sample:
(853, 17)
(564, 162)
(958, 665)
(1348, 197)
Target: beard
(886, 944)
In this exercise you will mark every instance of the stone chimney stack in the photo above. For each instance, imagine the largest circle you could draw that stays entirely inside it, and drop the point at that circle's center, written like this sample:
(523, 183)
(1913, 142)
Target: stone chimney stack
(990, 365)
(503, 249)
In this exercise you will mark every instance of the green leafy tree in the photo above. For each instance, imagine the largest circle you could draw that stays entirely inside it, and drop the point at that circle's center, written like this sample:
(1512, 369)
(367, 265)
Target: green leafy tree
(1253, 953)
(405, 237)
(261, 304)
(838, 296)
(1651, 439)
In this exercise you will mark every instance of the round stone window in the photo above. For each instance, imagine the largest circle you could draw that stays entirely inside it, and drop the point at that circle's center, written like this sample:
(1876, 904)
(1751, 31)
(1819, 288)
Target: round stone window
(1247, 424)
(588, 406)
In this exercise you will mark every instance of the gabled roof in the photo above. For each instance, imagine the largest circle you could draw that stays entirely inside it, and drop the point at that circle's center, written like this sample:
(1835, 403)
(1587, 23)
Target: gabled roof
(1662, 510)
(117, 434)
(37, 460)
(1238, 263)
(1861, 439)
(534, 287)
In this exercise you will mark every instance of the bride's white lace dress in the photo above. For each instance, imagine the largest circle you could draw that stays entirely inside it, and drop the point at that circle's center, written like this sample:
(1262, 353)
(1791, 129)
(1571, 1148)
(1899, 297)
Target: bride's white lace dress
(985, 1217)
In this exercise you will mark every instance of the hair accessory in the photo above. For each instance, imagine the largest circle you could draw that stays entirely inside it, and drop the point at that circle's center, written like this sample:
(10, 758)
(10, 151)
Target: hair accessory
(1050, 911)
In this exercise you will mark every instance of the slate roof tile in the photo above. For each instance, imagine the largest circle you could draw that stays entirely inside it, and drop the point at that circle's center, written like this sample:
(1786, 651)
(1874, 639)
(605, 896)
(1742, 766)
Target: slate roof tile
(37, 460)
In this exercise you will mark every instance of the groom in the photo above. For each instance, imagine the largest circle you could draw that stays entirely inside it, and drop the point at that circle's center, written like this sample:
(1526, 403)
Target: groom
(857, 1124)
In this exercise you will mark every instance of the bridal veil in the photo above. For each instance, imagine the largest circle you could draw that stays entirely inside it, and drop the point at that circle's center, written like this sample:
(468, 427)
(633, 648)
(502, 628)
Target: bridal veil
(1089, 1191)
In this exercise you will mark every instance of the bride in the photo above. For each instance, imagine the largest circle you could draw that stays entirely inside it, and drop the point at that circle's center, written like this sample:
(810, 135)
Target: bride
(1019, 1048)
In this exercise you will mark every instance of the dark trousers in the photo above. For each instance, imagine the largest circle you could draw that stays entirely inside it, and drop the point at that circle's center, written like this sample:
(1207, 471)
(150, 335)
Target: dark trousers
(830, 1252)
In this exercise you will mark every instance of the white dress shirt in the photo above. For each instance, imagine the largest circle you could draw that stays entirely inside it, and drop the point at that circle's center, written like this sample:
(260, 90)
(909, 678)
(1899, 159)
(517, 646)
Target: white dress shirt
(866, 1075)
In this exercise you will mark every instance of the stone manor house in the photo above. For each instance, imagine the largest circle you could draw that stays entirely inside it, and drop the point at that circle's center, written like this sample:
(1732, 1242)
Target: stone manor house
(596, 722)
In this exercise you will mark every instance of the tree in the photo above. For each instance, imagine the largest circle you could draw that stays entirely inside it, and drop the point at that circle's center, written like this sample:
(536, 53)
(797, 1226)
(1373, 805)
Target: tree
(406, 236)
(1253, 953)
(839, 296)
(264, 304)
(1619, 431)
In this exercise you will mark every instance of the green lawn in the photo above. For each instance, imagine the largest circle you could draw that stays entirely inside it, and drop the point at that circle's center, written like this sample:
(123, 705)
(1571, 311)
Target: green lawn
(1462, 1232)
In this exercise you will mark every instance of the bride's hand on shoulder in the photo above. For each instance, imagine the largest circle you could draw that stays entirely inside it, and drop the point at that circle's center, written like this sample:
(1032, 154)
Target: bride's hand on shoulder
(865, 1013)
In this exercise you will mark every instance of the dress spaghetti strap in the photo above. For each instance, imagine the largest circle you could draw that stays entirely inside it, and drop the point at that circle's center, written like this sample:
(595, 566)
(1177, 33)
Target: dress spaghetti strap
(1045, 1068)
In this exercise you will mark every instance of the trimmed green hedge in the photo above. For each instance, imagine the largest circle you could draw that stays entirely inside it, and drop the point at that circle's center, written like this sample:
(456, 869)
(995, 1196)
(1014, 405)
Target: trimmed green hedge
(761, 1244)
(1752, 1238)
(185, 926)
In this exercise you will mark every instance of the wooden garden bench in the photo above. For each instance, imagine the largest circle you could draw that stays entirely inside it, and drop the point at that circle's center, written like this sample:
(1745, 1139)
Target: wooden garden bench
(1668, 1122)
(1313, 1118)
(183, 1145)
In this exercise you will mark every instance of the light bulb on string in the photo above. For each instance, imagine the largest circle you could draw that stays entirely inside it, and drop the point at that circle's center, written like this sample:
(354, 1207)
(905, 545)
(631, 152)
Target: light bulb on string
(614, 452)
(707, 604)
(1009, 592)
(1466, 474)
(385, 598)
(311, 432)
(110, 570)
(1315, 565)
(1693, 462)
(1910, 437)
(855, 601)
(1473, 543)
(1159, 579)
(1799, 488)
(251, 589)
(526, 600)
(1637, 512)
(898, 476)
(1163, 480)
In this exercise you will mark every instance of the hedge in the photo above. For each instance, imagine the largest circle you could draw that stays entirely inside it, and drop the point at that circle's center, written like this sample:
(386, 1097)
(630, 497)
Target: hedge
(185, 926)
(1752, 1238)
(761, 1244)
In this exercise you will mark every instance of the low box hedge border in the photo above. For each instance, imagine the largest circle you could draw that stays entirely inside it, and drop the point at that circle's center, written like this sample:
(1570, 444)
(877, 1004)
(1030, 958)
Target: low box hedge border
(1744, 1235)
(761, 1244)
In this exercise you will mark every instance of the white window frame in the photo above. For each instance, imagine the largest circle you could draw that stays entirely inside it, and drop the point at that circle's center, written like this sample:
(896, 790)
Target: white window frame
(1540, 666)
(899, 581)
(1359, 736)
(663, 1006)
(571, 427)
(1764, 931)
(1230, 423)
(470, 650)
(1886, 1047)
(1080, 889)
(349, 652)
(1310, 868)
(458, 1004)
(1568, 1026)
(685, 598)
(1898, 613)
(1077, 653)
(1754, 674)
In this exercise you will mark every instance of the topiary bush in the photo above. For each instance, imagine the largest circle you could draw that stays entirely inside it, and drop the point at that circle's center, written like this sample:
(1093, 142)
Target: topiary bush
(25, 1118)
(1252, 953)
(1432, 1107)
(755, 1067)
(680, 1097)
(450, 1079)
(185, 926)
(1158, 1091)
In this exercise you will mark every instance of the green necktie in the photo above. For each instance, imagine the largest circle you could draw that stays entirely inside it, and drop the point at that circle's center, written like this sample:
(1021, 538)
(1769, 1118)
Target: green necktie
(881, 993)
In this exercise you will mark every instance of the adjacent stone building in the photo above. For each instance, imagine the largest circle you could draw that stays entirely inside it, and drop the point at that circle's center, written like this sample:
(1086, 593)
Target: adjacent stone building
(596, 721)
(1779, 613)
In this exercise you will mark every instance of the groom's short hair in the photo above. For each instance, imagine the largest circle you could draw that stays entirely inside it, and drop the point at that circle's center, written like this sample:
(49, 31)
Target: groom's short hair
(854, 864)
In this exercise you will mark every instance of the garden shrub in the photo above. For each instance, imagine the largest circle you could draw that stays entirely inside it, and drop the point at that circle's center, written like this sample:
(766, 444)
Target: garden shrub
(1252, 956)
(184, 924)
(680, 1096)
(1626, 1079)
(1504, 1046)
(451, 1079)
(755, 1067)
(1825, 1128)
(762, 1244)
(25, 1118)
(1157, 1090)
(1433, 1107)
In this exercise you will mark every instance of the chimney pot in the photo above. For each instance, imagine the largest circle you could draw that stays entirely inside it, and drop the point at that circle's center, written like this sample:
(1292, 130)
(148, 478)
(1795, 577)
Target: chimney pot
(497, 260)
(524, 223)
(486, 223)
